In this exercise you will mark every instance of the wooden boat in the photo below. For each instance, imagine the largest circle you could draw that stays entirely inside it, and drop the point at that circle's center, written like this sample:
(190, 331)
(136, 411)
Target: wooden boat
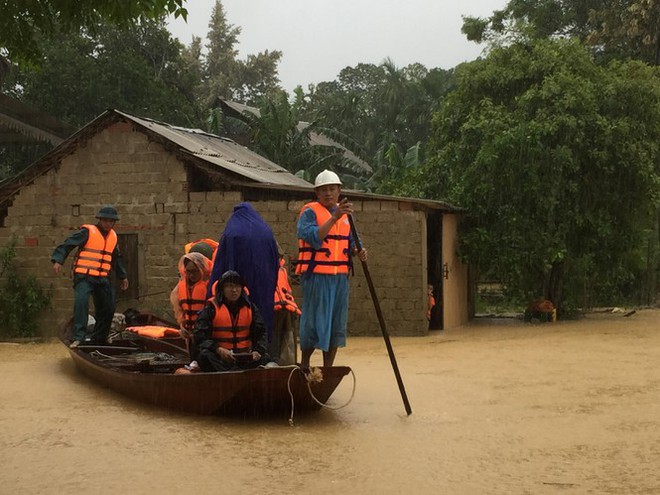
(143, 368)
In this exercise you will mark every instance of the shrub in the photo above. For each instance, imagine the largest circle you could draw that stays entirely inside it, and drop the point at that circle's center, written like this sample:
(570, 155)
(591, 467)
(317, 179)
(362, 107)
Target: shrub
(21, 299)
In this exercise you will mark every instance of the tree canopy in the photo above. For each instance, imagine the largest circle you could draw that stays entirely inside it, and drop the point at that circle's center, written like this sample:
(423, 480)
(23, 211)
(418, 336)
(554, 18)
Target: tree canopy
(384, 108)
(626, 28)
(228, 77)
(25, 25)
(556, 160)
(137, 69)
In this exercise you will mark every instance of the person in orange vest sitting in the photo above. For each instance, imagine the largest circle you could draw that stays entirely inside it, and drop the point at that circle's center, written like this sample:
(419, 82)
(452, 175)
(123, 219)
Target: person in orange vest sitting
(229, 332)
(282, 347)
(189, 295)
(98, 255)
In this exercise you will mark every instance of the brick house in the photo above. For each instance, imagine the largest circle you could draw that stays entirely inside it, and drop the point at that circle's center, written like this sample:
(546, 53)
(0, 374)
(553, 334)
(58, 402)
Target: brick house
(174, 185)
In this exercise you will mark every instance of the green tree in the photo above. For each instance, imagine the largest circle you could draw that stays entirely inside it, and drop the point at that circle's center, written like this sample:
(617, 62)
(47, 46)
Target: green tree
(226, 76)
(22, 299)
(24, 26)
(137, 70)
(278, 134)
(386, 109)
(556, 160)
(221, 63)
(627, 28)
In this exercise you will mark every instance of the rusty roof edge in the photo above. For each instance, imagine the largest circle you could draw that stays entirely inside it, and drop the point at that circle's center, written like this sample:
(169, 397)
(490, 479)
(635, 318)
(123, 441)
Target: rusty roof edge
(33, 116)
(353, 193)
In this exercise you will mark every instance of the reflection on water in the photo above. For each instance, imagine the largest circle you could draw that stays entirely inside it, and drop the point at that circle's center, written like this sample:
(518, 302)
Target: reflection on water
(496, 409)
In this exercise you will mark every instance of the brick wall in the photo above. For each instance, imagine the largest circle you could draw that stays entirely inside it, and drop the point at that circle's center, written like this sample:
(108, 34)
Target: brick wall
(393, 238)
(149, 187)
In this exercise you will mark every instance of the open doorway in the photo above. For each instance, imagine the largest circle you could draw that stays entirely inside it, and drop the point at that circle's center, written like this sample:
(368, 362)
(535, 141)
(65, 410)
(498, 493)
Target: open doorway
(434, 269)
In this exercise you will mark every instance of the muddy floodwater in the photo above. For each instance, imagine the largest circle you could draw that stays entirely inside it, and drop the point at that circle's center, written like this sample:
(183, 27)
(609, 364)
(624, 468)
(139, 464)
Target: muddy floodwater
(499, 407)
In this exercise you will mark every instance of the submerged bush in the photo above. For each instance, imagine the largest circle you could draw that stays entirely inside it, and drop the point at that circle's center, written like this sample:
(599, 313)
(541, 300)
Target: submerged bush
(21, 298)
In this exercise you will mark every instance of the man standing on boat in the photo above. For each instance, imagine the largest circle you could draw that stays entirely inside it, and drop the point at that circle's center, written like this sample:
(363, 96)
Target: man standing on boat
(325, 247)
(229, 332)
(98, 253)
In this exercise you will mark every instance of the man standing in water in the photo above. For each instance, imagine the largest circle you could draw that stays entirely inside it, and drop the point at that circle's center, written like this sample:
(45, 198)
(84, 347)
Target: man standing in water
(325, 246)
(97, 254)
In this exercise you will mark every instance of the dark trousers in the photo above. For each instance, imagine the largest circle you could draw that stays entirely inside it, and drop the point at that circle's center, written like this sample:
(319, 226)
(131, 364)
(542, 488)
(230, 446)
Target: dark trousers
(282, 347)
(103, 295)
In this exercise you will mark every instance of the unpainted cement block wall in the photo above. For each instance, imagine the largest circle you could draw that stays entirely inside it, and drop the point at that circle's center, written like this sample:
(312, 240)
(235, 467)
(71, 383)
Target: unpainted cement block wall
(148, 185)
(392, 234)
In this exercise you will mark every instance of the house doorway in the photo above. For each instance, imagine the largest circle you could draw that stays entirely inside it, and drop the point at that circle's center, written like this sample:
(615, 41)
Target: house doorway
(434, 268)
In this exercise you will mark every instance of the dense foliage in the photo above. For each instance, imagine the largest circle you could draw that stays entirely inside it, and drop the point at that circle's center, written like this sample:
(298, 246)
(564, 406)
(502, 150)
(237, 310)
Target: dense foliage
(137, 70)
(386, 109)
(21, 299)
(226, 76)
(25, 26)
(556, 160)
(625, 28)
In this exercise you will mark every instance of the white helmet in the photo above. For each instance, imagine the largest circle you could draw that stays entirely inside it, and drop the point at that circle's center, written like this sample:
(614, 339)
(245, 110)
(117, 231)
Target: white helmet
(327, 177)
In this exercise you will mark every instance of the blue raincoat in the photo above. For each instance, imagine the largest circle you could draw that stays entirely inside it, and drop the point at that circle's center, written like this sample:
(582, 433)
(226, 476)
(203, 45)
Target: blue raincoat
(248, 246)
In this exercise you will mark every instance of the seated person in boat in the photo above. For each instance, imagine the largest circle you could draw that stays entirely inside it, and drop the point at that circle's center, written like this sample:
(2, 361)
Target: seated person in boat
(229, 332)
(248, 246)
(189, 295)
(282, 347)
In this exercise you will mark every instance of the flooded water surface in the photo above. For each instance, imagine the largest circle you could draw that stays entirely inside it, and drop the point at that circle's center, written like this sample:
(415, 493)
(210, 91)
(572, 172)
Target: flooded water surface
(571, 407)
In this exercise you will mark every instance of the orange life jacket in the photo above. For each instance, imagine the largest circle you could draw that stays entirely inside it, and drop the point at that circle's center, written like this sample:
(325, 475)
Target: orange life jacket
(429, 306)
(283, 295)
(333, 258)
(154, 331)
(192, 300)
(232, 333)
(95, 257)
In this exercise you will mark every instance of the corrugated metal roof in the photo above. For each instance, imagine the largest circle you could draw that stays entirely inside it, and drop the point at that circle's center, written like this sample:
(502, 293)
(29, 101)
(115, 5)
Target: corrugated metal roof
(221, 152)
(213, 150)
(20, 122)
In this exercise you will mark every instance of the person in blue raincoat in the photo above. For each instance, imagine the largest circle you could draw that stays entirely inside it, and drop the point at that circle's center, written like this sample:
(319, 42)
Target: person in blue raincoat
(248, 246)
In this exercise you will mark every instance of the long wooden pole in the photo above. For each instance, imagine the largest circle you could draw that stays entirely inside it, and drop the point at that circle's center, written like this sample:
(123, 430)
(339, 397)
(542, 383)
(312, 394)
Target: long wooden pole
(381, 320)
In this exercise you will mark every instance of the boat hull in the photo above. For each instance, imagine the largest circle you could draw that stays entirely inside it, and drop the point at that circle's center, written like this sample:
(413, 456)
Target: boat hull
(249, 392)
(252, 392)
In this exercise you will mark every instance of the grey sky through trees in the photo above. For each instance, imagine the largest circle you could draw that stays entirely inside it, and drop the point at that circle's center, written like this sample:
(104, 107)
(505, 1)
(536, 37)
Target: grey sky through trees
(320, 37)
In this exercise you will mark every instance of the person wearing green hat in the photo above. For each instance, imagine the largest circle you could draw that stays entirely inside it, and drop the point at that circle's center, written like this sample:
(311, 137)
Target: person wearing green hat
(97, 256)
